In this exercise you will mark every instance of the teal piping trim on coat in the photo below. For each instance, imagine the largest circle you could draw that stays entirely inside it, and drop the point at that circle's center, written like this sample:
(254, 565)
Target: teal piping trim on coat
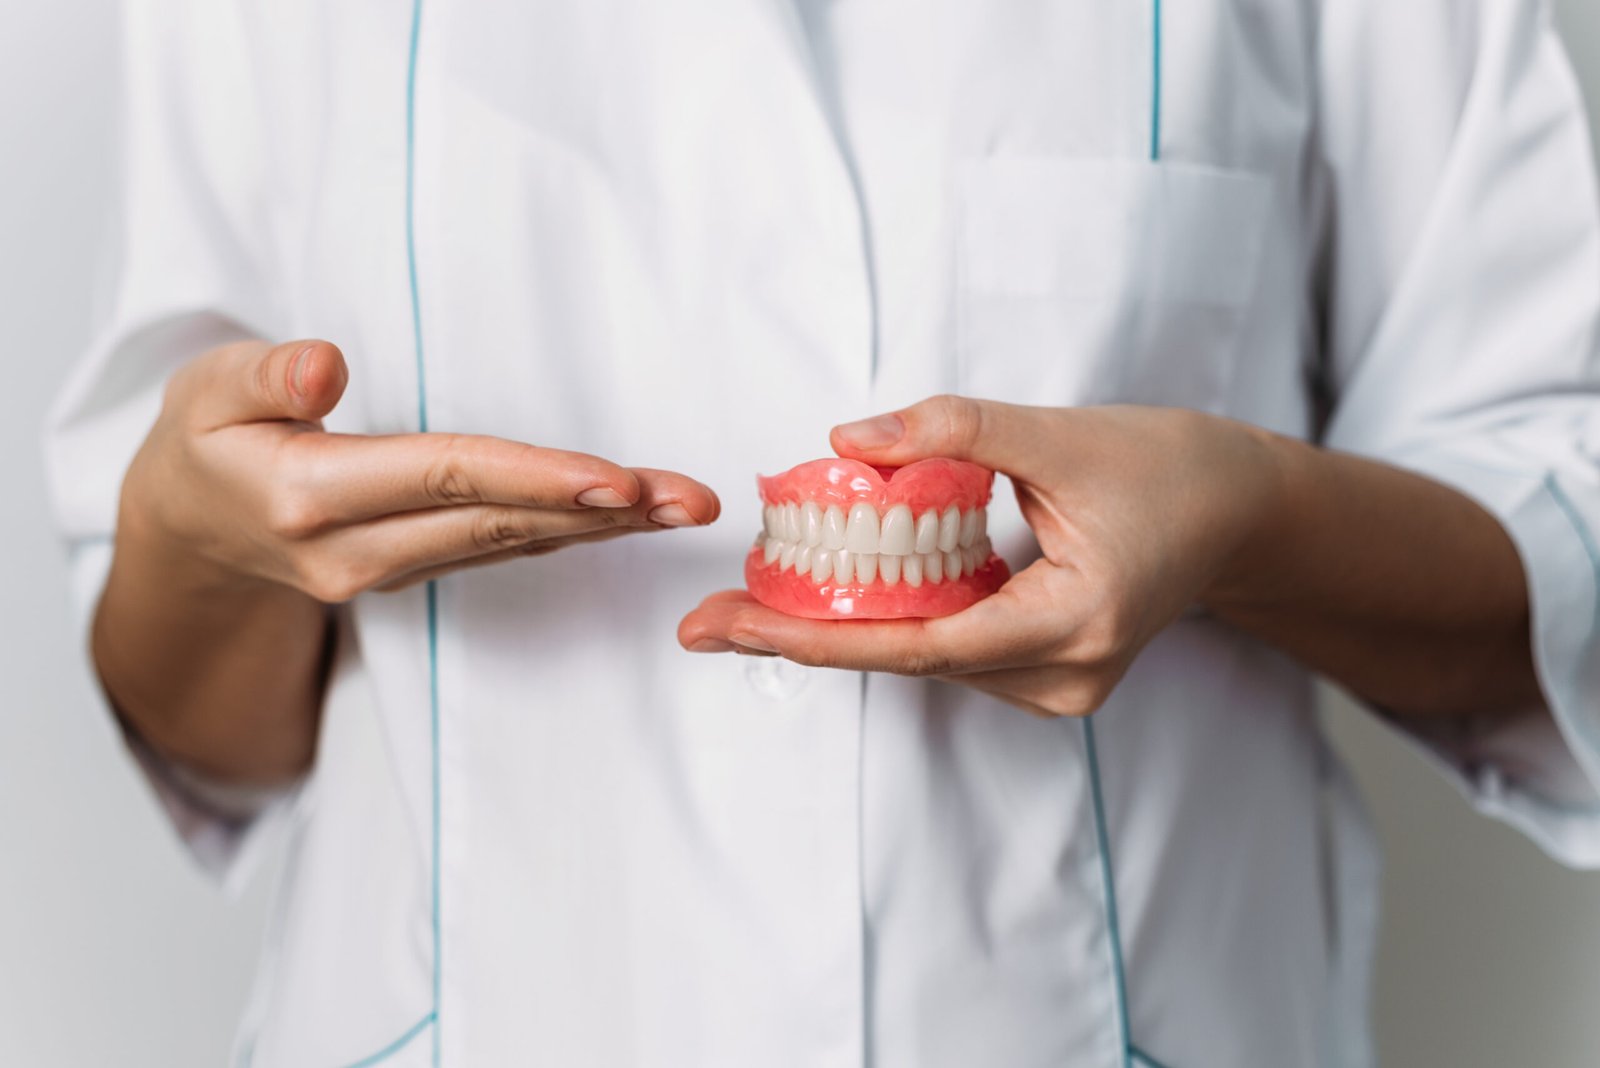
(1142, 1059)
(1102, 841)
(394, 1047)
(1157, 60)
(422, 425)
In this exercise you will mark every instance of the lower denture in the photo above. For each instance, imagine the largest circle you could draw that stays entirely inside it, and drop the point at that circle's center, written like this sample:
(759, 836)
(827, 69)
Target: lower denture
(844, 540)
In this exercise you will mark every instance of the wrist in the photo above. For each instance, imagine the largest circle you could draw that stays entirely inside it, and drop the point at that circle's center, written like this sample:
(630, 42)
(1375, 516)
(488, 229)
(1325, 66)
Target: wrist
(1264, 518)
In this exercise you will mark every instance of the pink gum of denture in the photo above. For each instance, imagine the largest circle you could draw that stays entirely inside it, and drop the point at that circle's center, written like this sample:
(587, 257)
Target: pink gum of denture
(820, 520)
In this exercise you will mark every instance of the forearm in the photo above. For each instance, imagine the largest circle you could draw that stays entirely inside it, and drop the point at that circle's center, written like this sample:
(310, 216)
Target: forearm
(1398, 588)
(222, 674)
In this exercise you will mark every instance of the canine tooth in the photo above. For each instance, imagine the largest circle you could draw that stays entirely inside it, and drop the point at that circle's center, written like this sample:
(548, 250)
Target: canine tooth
(786, 557)
(899, 537)
(889, 568)
(969, 527)
(821, 565)
(861, 533)
(811, 523)
(833, 528)
(932, 567)
(844, 567)
(952, 564)
(927, 532)
(791, 522)
(770, 550)
(911, 570)
(802, 558)
(949, 529)
(866, 567)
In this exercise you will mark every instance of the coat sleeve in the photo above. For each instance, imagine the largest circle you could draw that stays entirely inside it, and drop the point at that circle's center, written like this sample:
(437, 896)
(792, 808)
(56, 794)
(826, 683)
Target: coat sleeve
(191, 264)
(1462, 297)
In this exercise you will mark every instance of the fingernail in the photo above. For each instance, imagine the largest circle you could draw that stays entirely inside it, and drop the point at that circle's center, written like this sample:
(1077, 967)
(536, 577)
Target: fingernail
(711, 645)
(602, 497)
(875, 433)
(297, 373)
(750, 641)
(672, 515)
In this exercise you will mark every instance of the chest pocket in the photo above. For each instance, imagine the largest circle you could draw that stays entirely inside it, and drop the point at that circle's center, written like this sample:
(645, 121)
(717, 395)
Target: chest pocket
(1085, 281)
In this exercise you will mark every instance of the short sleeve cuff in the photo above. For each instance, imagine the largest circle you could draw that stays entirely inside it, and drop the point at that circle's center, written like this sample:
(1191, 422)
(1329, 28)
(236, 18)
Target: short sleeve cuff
(224, 827)
(1537, 769)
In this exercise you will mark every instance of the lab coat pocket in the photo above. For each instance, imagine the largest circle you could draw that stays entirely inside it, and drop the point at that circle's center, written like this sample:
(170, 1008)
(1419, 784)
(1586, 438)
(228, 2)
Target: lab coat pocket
(1105, 281)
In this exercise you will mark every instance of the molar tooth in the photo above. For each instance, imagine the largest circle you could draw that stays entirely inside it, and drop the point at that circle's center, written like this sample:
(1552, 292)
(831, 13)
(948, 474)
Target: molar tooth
(811, 523)
(786, 556)
(861, 533)
(791, 522)
(844, 567)
(932, 567)
(770, 549)
(866, 567)
(766, 522)
(927, 532)
(889, 568)
(821, 565)
(833, 528)
(802, 559)
(952, 564)
(899, 536)
(911, 570)
(950, 529)
(969, 527)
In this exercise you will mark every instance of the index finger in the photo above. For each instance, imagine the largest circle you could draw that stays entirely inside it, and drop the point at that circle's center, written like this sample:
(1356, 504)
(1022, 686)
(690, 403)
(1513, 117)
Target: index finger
(994, 633)
(362, 477)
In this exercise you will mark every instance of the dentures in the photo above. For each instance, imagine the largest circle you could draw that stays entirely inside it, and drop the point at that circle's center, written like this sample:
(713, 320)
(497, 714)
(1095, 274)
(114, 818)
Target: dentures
(844, 540)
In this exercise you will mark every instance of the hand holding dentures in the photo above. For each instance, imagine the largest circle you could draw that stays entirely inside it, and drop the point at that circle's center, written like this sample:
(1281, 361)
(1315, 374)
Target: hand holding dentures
(1136, 511)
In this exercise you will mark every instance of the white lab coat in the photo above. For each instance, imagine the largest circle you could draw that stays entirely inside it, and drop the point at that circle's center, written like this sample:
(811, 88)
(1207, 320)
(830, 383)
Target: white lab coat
(694, 235)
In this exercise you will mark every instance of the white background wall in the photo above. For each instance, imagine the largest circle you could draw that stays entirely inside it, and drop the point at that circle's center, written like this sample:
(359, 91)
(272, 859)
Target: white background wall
(114, 953)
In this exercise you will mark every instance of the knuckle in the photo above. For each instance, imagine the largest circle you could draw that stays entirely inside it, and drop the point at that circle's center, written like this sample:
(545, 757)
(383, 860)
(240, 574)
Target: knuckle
(332, 580)
(263, 379)
(296, 514)
(921, 663)
(445, 481)
(958, 419)
(496, 531)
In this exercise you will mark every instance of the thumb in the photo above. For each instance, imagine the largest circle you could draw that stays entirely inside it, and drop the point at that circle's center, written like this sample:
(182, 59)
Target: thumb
(1001, 437)
(300, 380)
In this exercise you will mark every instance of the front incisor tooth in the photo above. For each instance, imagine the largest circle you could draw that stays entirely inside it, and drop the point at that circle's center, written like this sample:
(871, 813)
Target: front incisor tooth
(844, 567)
(770, 550)
(950, 529)
(833, 528)
(911, 570)
(811, 523)
(791, 522)
(969, 527)
(932, 567)
(899, 535)
(821, 565)
(861, 533)
(802, 559)
(866, 567)
(927, 532)
(889, 568)
(952, 564)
